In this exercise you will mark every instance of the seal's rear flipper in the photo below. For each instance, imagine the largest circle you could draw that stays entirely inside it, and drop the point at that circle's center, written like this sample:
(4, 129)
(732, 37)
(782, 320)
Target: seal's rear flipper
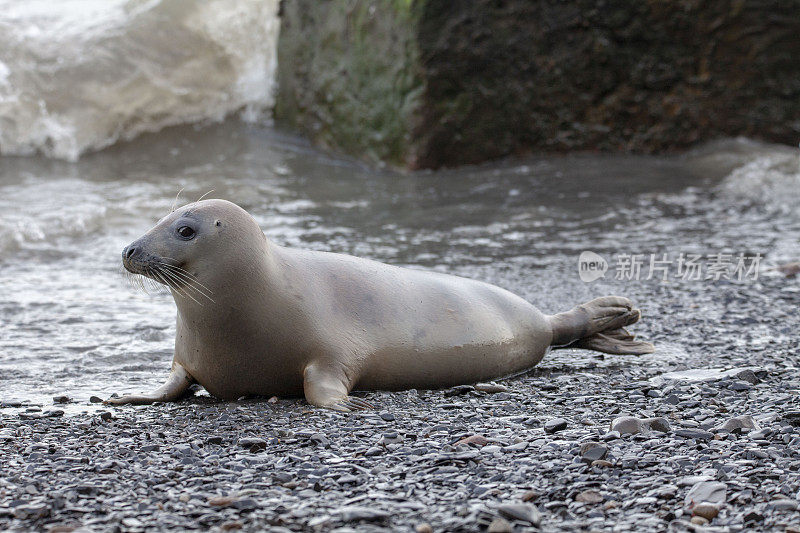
(616, 341)
(599, 325)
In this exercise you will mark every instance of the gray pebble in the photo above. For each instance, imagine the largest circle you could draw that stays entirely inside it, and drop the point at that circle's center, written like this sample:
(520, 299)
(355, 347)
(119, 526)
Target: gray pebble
(783, 505)
(706, 491)
(698, 434)
(555, 424)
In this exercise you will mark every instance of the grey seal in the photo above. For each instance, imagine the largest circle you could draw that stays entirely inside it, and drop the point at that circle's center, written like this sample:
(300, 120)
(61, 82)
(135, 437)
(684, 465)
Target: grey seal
(258, 319)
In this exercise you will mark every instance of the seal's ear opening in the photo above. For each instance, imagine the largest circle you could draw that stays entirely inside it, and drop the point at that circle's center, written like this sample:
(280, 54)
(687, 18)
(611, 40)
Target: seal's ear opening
(217, 223)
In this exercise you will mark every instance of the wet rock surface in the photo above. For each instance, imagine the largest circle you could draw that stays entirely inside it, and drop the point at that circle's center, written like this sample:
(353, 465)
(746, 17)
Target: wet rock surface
(461, 459)
(438, 83)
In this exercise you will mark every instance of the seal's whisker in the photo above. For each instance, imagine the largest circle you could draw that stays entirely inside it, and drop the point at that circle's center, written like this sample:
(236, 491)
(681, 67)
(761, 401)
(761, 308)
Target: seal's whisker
(185, 278)
(185, 273)
(206, 194)
(189, 279)
(176, 267)
(156, 285)
(174, 202)
(169, 280)
(160, 275)
(151, 284)
(188, 285)
(134, 281)
(138, 282)
(178, 282)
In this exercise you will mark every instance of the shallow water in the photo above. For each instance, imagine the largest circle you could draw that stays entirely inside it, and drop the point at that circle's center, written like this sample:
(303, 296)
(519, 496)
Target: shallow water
(72, 324)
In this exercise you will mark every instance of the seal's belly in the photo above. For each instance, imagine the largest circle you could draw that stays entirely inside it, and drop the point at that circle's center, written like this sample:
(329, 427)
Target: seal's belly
(255, 363)
(252, 379)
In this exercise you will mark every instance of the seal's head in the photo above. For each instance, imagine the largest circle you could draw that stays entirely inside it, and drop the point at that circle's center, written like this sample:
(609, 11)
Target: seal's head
(190, 247)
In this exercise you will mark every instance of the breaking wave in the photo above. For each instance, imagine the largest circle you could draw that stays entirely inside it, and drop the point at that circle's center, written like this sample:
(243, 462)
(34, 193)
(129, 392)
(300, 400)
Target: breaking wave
(79, 75)
(771, 179)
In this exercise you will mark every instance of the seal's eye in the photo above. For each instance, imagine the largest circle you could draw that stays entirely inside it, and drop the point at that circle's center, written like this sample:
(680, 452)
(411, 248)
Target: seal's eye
(186, 232)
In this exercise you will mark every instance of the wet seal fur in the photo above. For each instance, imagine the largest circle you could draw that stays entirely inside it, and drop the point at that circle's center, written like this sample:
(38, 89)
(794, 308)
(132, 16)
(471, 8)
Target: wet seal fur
(258, 319)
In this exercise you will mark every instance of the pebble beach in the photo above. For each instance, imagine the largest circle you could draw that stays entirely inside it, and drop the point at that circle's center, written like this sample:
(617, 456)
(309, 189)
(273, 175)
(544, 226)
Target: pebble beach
(581, 442)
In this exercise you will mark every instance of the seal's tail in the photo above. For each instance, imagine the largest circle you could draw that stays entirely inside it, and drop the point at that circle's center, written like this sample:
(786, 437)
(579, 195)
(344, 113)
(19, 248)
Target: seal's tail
(600, 325)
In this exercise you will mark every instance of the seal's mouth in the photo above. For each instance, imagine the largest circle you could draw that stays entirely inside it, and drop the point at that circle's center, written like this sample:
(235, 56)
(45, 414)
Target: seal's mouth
(166, 272)
(137, 261)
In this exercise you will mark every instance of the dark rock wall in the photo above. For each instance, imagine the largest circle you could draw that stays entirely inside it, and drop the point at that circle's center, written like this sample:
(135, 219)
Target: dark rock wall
(506, 77)
(480, 79)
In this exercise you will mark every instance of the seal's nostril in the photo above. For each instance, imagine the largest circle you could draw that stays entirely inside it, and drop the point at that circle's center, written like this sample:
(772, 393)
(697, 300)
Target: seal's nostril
(128, 252)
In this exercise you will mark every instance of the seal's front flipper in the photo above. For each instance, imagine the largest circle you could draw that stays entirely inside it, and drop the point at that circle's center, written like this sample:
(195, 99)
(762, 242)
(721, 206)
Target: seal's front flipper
(350, 404)
(176, 386)
(617, 341)
(599, 325)
(326, 386)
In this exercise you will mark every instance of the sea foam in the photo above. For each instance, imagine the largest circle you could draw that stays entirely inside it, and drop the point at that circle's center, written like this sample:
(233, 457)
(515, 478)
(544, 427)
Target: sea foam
(79, 75)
